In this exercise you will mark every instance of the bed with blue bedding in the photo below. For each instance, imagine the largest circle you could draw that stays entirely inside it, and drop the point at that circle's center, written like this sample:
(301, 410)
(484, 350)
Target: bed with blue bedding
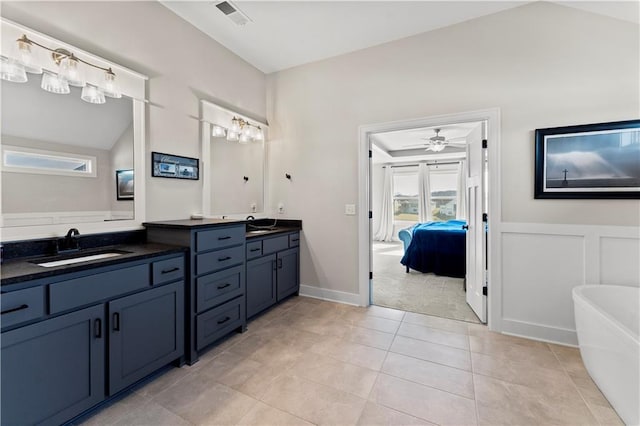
(438, 247)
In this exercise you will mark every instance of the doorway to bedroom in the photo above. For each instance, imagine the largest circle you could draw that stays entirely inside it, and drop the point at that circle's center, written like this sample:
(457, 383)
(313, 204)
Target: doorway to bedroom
(422, 193)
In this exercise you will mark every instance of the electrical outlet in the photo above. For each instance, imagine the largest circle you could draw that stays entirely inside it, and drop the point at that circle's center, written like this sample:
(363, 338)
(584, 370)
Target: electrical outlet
(350, 209)
(280, 208)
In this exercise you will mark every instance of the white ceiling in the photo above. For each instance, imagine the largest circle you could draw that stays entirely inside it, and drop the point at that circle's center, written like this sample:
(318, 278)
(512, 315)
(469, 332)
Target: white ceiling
(285, 34)
(402, 146)
(64, 119)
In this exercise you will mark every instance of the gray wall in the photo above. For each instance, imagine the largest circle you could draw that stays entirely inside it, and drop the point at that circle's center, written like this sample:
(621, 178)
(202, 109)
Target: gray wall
(183, 65)
(121, 159)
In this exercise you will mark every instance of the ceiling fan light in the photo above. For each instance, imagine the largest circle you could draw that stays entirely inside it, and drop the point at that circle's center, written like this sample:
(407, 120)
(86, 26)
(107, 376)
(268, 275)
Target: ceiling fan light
(437, 147)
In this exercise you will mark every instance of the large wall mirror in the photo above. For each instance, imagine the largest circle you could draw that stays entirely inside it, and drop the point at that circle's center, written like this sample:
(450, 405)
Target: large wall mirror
(234, 167)
(66, 162)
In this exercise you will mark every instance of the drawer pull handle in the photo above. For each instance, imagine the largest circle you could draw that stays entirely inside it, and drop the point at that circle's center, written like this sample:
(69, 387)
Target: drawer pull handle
(224, 238)
(220, 287)
(254, 249)
(97, 328)
(222, 321)
(295, 239)
(166, 271)
(18, 308)
(116, 321)
(222, 259)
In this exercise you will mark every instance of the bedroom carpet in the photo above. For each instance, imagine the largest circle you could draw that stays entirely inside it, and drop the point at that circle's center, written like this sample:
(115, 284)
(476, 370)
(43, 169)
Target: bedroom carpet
(416, 292)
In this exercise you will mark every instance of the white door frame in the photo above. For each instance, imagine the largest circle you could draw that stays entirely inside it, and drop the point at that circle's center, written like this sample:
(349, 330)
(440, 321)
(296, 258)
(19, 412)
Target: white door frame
(492, 116)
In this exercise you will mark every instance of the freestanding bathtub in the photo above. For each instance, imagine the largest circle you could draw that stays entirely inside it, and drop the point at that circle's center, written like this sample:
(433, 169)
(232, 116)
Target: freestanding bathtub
(608, 323)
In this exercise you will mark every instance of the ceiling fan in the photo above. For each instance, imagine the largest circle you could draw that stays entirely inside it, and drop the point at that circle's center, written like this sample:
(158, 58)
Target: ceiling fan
(437, 143)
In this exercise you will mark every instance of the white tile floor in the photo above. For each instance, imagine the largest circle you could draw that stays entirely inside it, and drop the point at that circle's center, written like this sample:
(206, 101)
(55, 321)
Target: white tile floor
(313, 362)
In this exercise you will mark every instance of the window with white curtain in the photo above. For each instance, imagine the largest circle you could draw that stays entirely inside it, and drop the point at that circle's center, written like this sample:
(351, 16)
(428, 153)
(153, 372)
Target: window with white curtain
(444, 183)
(405, 194)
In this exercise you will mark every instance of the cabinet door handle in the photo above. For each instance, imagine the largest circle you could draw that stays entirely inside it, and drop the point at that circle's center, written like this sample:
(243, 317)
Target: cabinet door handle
(97, 328)
(279, 263)
(220, 287)
(222, 259)
(17, 308)
(222, 321)
(116, 321)
(295, 239)
(224, 238)
(166, 271)
(255, 249)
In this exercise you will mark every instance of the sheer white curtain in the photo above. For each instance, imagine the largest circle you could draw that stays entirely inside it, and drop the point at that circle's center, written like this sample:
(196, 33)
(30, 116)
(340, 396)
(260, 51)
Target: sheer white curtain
(424, 194)
(461, 193)
(385, 229)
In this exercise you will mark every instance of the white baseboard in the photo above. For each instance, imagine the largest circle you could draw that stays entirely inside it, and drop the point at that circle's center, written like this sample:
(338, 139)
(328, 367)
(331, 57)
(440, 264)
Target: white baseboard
(561, 336)
(330, 295)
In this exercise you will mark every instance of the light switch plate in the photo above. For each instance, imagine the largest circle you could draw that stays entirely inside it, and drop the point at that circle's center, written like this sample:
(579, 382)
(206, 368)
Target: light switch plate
(350, 209)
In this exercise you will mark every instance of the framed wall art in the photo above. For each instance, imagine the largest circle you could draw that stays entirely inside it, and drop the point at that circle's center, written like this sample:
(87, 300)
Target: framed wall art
(174, 166)
(588, 161)
(124, 185)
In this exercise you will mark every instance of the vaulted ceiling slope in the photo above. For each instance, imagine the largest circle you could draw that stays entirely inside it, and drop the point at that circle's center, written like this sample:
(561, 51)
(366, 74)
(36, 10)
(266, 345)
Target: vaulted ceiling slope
(284, 34)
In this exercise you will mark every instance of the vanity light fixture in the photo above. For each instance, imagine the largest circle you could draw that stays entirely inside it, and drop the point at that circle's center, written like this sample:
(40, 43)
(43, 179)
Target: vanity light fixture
(71, 72)
(240, 130)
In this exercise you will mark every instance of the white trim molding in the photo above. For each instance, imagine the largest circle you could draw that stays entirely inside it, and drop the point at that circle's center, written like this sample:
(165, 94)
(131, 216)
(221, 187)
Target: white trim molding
(329, 295)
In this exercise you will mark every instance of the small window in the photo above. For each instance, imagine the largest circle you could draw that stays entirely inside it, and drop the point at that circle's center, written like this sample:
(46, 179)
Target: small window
(405, 195)
(27, 160)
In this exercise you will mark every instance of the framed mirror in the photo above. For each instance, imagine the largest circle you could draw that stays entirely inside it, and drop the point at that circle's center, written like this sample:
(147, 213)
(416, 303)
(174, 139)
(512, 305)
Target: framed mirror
(234, 165)
(67, 162)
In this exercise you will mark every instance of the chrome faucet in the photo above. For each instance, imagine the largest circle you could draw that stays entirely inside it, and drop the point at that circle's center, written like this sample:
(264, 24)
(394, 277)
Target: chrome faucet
(250, 217)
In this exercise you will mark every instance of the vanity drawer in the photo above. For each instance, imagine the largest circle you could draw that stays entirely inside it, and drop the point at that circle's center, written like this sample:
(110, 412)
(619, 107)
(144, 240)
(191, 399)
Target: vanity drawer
(254, 249)
(212, 325)
(164, 271)
(219, 238)
(93, 288)
(294, 239)
(220, 259)
(22, 305)
(213, 289)
(272, 245)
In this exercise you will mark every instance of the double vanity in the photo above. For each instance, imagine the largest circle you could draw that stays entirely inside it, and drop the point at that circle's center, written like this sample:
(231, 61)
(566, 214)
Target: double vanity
(79, 328)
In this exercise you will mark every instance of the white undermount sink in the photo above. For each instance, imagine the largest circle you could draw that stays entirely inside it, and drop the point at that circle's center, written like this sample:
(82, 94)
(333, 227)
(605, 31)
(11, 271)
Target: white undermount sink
(78, 259)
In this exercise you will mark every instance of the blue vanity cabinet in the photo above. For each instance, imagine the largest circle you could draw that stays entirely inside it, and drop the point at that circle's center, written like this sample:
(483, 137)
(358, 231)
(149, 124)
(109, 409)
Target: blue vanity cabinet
(53, 370)
(77, 338)
(215, 293)
(261, 284)
(273, 273)
(146, 332)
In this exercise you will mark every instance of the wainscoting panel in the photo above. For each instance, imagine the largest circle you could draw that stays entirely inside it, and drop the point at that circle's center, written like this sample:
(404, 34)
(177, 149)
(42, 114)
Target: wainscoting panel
(541, 263)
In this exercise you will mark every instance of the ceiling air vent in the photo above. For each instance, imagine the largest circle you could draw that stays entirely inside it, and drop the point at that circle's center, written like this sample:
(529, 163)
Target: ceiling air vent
(232, 12)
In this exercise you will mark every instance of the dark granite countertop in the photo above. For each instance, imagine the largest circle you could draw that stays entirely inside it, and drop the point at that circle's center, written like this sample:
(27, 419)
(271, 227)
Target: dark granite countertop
(269, 232)
(193, 223)
(22, 269)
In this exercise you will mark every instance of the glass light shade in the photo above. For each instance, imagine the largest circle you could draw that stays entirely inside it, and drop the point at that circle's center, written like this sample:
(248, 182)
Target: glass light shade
(218, 131)
(246, 131)
(51, 82)
(232, 136)
(259, 135)
(244, 139)
(110, 86)
(235, 125)
(11, 70)
(437, 148)
(27, 58)
(92, 94)
(70, 70)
